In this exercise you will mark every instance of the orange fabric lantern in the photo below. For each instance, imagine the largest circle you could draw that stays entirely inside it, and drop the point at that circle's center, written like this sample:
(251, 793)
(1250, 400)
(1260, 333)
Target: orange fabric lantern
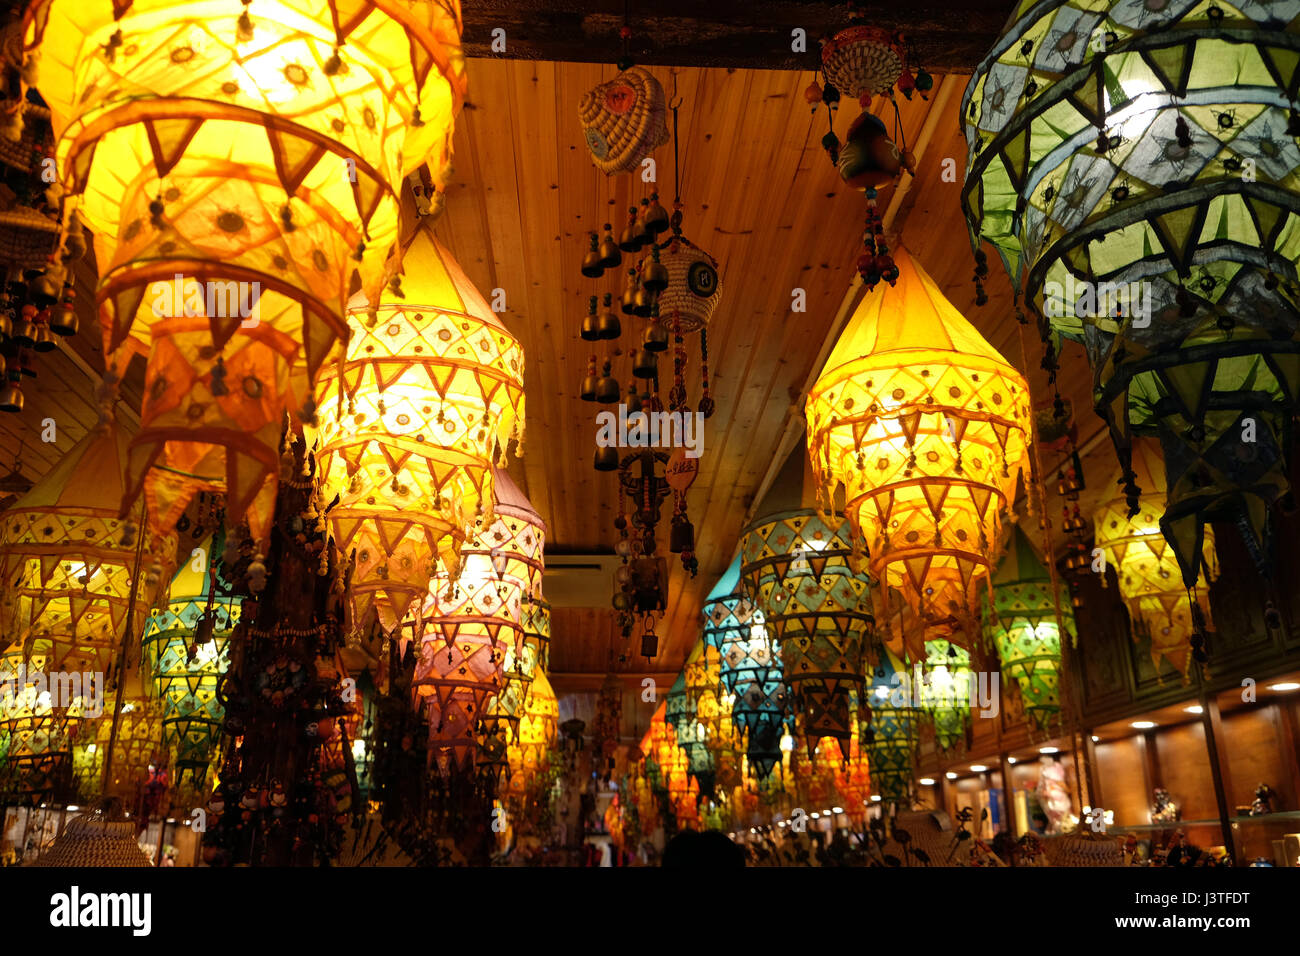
(926, 426)
(1146, 564)
(429, 395)
(239, 168)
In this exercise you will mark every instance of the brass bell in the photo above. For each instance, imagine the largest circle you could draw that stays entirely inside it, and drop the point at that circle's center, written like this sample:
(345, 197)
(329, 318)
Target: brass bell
(607, 391)
(634, 236)
(25, 366)
(655, 216)
(682, 535)
(649, 644)
(590, 326)
(64, 322)
(44, 340)
(645, 302)
(610, 257)
(629, 293)
(25, 332)
(591, 266)
(645, 365)
(589, 382)
(607, 324)
(655, 338)
(654, 274)
(11, 397)
(606, 459)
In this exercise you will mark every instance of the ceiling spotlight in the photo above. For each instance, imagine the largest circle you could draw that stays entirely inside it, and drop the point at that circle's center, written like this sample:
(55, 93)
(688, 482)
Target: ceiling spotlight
(1285, 686)
(927, 781)
(978, 768)
(1011, 760)
(1195, 709)
(1142, 724)
(950, 775)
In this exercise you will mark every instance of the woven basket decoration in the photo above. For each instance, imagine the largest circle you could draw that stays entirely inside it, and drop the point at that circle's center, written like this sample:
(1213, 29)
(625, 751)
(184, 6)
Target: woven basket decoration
(623, 120)
(693, 284)
(862, 60)
(90, 842)
(27, 238)
(1082, 851)
(36, 137)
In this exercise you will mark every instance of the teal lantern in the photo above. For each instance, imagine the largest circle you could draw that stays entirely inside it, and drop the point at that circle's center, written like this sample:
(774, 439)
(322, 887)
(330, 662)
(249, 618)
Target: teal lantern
(888, 730)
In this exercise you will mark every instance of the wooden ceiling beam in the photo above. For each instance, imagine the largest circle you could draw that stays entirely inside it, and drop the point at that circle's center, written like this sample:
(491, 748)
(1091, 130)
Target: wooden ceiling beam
(948, 35)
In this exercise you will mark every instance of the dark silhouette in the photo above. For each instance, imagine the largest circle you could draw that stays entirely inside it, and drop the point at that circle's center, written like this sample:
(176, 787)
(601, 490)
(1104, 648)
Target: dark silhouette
(709, 849)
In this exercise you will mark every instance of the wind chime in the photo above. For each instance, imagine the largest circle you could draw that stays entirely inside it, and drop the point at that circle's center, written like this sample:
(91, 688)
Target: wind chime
(674, 285)
(864, 61)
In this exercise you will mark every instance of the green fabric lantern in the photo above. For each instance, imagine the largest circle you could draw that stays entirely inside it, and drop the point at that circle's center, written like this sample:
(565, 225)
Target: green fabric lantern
(945, 693)
(1022, 626)
(1136, 166)
(888, 734)
(801, 570)
(185, 651)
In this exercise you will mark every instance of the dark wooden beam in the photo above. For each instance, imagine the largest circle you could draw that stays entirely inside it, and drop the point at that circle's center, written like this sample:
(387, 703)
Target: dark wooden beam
(949, 36)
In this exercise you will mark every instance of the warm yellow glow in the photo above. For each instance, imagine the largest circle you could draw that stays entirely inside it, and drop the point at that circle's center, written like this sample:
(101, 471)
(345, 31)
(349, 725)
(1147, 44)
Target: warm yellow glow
(1146, 564)
(429, 396)
(267, 164)
(926, 426)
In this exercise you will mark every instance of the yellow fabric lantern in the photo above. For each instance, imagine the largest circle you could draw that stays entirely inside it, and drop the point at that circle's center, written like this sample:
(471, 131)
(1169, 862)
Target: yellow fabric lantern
(537, 729)
(239, 167)
(926, 426)
(472, 624)
(430, 394)
(138, 747)
(66, 558)
(1146, 564)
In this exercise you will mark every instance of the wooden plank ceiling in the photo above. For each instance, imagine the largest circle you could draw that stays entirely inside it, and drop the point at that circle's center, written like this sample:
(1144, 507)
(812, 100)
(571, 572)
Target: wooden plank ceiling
(761, 196)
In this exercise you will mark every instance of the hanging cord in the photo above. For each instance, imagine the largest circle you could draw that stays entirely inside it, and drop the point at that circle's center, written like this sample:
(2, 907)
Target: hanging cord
(675, 104)
(128, 630)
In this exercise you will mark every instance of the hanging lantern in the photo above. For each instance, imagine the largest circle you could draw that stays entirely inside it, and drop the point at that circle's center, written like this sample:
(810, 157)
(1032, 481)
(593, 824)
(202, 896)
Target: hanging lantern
(1142, 193)
(799, 566)
(888, 732)
(240, 171)
(749, 670)
(624, 120)
(926, 426)
(185, 652)
(692, 289)
(685, 699)
(429, 396)
(1023, 627)
(537, 634)
(852, 780)
(66, 558)
(472, 623)
(537, 730)
(946, 691)
(1147, 565)
(137, 751)
(36, 736)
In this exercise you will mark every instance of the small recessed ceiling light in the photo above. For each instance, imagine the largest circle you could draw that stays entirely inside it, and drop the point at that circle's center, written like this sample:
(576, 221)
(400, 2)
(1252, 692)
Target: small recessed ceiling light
(978, 768)
(950, 775)
(1095, 738)
(927, 781)
(875, 798)
(1195, 709)
(1285, 686)
(839, 809)
(1142, 724)
(816, 816)
(1049, 750)
(1011, 760)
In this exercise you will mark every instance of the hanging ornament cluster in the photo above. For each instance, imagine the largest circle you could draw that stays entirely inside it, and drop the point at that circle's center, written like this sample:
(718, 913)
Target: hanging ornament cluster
(927, 428)
(411, 421)
(1024, 625)
(239, 170)
(1142, 193)
(38, 244)
(1174, 618)
(606, 727)
(800, 568)
(863, 61)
